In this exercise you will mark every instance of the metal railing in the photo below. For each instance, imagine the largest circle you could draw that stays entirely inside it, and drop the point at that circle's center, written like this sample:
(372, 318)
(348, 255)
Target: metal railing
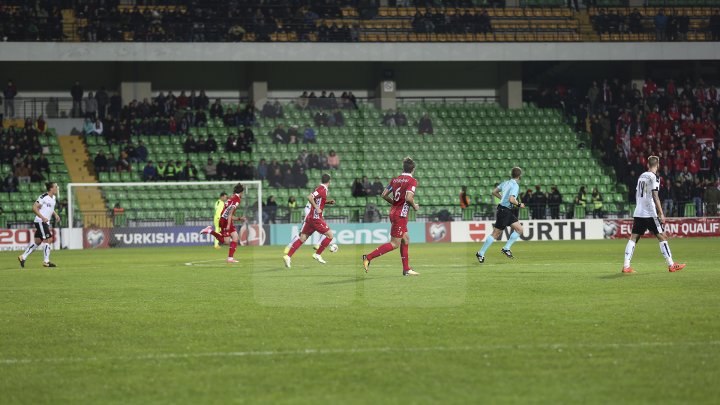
(33, 107)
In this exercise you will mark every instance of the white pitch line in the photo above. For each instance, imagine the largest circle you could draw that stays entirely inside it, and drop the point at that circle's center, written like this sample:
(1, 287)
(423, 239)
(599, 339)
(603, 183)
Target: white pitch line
(312, 352)
(203, 261)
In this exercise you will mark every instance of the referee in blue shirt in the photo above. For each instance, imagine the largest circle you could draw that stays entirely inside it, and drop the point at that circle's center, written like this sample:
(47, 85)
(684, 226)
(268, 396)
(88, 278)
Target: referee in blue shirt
(507, 192)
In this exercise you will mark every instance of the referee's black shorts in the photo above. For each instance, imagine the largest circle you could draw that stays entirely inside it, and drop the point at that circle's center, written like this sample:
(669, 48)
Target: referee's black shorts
(504, 217)
(642, 225)
(42, 230)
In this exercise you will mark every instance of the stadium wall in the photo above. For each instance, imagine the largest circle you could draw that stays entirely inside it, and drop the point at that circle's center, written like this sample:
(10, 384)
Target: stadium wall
(233, 79)
(356, 52)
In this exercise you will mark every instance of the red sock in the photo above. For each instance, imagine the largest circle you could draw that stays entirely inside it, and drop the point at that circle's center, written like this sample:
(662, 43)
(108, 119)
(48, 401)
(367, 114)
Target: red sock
(218, 237)
(233, 246)
(325, 243)
(295, 246)
(404, 256)
(381, 250)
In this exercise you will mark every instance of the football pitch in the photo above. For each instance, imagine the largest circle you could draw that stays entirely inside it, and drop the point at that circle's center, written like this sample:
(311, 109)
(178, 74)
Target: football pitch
(559, 324)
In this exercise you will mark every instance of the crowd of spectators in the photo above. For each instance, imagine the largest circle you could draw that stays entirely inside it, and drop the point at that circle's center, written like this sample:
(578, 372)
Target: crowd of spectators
(129, 154)
(618, 21)
(292, 135)
(24, 154)
(394, 119)
(294, 175)
(165, 114)
(364, 188)
(327, 101)
(31, 21)
(667, 25)
(627, 122)
(441, 22)
(211, 20)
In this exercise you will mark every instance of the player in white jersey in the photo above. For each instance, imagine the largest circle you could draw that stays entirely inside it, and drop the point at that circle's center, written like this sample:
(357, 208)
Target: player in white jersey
(44, 208)
(649, 216)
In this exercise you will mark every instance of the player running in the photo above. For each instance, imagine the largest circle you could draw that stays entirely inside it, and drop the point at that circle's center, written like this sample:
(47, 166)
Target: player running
(228, 233)
(401, 195)
(43, 208)
(314, 222)
(646, 217)
(219, 207)
(507, 192)
(316, 246)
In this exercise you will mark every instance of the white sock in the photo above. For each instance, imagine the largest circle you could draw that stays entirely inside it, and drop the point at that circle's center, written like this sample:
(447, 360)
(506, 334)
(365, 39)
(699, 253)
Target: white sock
(31, 248)
(48, 248)
(629, 250)
(665, 250)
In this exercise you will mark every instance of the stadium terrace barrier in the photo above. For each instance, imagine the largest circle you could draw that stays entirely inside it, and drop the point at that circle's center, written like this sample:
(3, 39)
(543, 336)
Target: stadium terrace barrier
(361, 233)
(19, 239)
(676, 227)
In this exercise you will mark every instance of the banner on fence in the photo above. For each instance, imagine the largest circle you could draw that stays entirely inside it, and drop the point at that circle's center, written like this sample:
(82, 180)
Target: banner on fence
(675, 227)
(347, 234)
(577, 229)
(19, 239)
(94, 238)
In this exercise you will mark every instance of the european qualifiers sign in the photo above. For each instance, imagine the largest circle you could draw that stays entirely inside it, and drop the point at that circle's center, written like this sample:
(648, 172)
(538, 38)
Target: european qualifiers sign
(675, 227)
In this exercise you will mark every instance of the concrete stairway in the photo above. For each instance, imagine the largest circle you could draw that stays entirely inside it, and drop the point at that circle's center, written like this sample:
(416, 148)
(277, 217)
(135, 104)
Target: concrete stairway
(587, 33)
(90, 200)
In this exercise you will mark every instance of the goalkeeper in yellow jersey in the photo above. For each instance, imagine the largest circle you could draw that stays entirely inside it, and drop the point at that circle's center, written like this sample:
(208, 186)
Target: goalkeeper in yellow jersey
(219, 205)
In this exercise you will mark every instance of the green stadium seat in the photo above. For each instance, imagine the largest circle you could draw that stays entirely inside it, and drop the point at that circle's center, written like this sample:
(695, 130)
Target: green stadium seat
(690, 210)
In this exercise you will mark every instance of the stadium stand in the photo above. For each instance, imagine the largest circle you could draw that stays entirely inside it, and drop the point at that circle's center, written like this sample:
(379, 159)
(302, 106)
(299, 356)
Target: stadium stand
(465, 137)
(30, 156)
(219, 21)
(677, 121)
(676, 21)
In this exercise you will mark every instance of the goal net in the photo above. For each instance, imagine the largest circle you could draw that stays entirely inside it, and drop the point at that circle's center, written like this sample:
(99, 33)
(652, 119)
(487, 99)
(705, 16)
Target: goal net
(158, 213)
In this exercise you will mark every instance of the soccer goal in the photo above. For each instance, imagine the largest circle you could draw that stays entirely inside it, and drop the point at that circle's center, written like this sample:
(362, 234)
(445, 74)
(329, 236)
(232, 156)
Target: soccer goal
(158, 213)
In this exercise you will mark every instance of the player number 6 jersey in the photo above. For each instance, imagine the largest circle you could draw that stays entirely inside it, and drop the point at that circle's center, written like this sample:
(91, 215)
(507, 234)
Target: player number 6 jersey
(399, 187)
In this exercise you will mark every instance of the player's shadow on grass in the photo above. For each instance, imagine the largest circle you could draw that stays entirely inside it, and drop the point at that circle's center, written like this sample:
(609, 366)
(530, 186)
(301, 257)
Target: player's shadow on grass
(347, 281)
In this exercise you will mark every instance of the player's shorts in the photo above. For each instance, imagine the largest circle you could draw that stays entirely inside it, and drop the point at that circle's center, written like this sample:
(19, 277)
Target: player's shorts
(42, 231)
(504, 217)
(398, 226)
(223, 225)
(641, 225)
(314, 225)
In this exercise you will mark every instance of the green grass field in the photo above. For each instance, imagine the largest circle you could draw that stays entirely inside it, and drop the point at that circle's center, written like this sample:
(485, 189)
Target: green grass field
(559, 324)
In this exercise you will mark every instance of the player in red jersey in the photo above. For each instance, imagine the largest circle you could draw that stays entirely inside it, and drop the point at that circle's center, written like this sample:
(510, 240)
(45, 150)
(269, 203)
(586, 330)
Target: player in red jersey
(401, 195)
(228, 233)
(314, 222)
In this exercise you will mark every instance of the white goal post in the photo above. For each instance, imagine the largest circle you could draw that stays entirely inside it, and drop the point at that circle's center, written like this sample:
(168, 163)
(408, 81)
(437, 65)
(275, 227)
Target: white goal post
(178, 190)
